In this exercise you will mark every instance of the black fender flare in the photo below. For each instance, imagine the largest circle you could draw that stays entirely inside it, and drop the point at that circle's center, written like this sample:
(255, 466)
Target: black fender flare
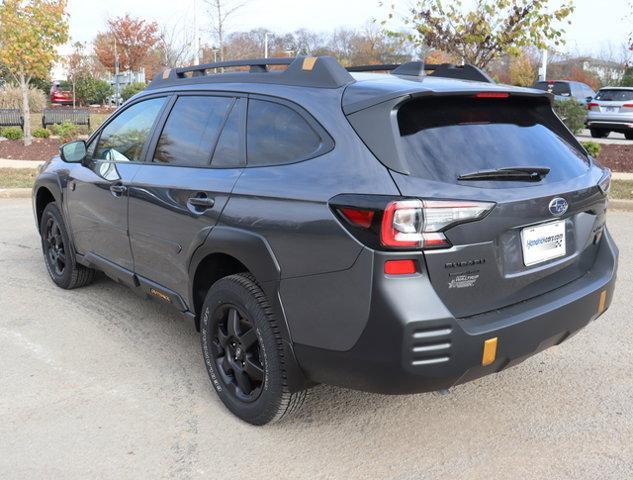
(53, 183)
(255, 253)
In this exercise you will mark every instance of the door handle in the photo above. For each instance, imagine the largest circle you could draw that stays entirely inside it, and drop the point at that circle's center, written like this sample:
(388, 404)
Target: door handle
(117, 190)
(201, 203)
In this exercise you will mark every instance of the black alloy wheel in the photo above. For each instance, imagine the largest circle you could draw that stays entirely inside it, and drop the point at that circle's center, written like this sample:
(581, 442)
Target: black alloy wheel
(237, 353)
(54, 247)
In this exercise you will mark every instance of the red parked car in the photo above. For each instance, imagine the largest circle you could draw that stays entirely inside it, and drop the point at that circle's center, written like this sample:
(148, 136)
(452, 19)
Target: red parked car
(59, 96)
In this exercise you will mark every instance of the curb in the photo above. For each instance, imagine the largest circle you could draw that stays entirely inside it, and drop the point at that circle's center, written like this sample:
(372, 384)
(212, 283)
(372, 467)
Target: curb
(17, 193)
(9, 163)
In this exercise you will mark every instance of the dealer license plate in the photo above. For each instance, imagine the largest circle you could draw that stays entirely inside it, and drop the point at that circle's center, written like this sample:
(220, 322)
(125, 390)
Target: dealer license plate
(543, 242)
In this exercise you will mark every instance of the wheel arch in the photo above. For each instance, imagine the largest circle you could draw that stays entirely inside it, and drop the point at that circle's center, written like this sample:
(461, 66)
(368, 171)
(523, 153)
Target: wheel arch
(47, 189)
(226, 251)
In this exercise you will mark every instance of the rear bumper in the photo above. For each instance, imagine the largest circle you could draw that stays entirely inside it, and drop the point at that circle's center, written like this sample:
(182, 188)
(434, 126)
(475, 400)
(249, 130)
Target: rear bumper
(412, 344)
(616, 125)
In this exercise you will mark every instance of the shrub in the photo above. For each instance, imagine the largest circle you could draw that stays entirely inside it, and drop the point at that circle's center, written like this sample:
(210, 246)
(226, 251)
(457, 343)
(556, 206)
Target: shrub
(41, 133)
(89, 90)
(572, 113)
(132, 89)
(592, 148)
(66, 131)
(12, 133)
(11, 97)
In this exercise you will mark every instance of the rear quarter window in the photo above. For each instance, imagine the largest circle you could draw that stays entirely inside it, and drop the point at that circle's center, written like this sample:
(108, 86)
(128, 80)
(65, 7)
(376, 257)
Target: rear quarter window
(443, 138)
(277, 134)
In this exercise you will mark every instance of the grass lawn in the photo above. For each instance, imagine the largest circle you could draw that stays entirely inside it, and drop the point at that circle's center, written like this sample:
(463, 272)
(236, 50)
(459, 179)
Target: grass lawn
(17, 177)
(622, 189)
(96, 119)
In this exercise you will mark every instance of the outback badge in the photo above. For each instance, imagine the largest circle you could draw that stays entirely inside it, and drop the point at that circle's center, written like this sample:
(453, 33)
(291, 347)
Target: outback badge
(558, 206)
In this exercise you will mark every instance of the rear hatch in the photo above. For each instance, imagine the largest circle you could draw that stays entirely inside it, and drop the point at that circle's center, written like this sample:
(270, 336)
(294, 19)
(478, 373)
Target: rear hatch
(612, 103)
(542, 231)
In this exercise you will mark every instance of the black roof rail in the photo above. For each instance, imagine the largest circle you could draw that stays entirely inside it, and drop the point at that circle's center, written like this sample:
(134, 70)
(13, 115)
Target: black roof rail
(418, 69)
(323, 72)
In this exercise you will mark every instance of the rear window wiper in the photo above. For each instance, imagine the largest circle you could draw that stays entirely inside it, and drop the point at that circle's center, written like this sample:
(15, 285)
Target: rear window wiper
(519, 174)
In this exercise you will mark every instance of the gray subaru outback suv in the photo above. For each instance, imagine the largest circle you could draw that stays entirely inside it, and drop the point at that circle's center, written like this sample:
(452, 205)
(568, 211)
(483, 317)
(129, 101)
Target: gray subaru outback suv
(392, 232)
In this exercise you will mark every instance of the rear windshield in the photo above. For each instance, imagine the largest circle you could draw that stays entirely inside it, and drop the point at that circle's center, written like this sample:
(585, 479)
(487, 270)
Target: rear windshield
(615, 95)
(557, 88)
(444, 138)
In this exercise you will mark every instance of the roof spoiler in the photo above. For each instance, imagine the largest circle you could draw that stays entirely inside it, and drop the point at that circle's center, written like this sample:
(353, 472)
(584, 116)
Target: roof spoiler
(419, 69)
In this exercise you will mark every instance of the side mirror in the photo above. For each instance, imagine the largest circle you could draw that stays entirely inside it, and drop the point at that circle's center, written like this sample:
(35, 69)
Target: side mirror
(73, 152)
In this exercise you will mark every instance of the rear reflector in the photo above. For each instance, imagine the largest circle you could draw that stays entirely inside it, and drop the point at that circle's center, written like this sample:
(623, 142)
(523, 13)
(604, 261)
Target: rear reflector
(492, 95)
(628, 105)
(400, 267)
(490, 352)
(358, 217)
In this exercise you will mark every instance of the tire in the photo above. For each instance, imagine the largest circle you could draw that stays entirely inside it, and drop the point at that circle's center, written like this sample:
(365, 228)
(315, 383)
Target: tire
(599, 133)
(59, 254)
(239, 335)
(628, 135)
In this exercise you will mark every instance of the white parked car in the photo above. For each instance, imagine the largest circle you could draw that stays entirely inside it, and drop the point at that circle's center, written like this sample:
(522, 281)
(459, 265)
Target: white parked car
(611, 111)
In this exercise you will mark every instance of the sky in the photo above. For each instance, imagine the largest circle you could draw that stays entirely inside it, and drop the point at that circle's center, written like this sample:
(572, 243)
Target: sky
(597, 26)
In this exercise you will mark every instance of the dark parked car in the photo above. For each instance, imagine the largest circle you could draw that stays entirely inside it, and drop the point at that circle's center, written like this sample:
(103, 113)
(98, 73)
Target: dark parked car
(392, 233)
(567, 89)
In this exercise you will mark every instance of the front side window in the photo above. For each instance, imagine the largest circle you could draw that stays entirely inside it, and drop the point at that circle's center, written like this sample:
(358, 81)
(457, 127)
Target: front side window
(192, 129)
(124, 138)
(276, 134)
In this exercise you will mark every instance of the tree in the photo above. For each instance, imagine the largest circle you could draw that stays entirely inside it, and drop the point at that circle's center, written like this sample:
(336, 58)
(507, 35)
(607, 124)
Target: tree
(30, 32)
(521, 71)
(627, 79)
(221, 11)
(77, 66)
(490, 29)
(91, 90)
(130, 39)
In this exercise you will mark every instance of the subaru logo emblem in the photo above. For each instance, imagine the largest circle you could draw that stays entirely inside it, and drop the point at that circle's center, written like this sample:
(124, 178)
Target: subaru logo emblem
(558, 206)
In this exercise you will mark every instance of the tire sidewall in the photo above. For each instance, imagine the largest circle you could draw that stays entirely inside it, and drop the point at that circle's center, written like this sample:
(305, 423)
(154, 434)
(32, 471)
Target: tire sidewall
(264, 408)
(64, 280)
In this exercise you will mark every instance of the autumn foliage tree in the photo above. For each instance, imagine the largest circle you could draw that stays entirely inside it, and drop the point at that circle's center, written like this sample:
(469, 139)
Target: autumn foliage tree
(30, 32)
(485, 32)
(522, 71)
(129, 38)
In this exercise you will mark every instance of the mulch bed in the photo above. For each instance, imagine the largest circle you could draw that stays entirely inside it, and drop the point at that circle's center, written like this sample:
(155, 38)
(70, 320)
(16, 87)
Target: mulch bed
(40, 149)
(618, 158)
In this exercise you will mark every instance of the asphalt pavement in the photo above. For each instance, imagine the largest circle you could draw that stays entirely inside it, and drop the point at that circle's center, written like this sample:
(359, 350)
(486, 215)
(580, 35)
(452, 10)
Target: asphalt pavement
(99, 383)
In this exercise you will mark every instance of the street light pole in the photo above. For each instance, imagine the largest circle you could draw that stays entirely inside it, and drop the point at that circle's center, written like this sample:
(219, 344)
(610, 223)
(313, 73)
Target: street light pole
(196, 38)
(266, 45)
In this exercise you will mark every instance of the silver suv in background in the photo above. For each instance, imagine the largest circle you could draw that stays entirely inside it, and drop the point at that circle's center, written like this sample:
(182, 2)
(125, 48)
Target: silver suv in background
(611, 111)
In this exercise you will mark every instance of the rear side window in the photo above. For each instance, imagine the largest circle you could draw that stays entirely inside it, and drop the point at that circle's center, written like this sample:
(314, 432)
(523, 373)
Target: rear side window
(123, 139)
(615, 95)
(192, 130)
(277, 134)
(557, 88)
(443, 138)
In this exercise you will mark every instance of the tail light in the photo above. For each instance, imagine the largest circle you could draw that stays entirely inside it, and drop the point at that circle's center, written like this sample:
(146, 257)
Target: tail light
(628, 105)
(605, 182)
(591, 105)
(406, 224)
